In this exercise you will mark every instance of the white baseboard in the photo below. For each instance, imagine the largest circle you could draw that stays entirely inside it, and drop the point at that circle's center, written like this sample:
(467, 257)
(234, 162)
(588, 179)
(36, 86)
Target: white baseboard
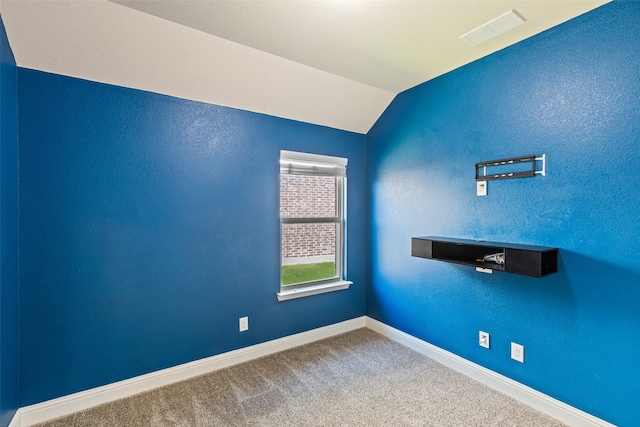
(65, 405)
(15, 421)
(537, 400)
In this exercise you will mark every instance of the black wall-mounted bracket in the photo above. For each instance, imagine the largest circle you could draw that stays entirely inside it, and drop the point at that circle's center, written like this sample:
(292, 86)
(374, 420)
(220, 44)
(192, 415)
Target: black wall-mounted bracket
(487, 175)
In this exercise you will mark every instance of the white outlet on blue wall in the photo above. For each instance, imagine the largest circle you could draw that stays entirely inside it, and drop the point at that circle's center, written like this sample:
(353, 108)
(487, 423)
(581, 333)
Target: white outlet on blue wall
(517, 352)
(483, 339)
(244, 324)
(481, 188)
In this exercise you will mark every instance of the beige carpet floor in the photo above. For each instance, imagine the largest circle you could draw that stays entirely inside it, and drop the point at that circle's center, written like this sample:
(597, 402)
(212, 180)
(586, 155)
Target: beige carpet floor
(356, 379)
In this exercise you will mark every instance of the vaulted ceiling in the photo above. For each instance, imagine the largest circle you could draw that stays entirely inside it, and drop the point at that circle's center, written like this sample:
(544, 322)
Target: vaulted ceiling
(330, 62)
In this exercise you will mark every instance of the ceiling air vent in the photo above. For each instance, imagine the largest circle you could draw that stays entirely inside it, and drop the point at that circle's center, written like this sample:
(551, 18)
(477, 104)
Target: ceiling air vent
(499, 25)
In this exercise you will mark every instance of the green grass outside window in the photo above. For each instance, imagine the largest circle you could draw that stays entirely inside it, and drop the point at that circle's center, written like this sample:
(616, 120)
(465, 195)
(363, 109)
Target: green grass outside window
(300, 273)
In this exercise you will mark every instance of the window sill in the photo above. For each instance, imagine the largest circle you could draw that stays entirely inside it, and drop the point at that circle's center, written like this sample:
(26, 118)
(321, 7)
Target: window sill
(313, 290)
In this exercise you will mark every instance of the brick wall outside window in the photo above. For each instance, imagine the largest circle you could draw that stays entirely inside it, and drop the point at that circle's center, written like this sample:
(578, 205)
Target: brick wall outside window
(303, 196)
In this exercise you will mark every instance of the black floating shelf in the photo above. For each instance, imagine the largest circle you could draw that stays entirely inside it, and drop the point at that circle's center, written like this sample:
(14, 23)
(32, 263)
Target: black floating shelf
(536, 261)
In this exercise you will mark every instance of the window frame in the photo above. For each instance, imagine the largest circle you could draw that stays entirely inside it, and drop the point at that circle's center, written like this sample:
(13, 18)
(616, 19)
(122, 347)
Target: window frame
(318, 165)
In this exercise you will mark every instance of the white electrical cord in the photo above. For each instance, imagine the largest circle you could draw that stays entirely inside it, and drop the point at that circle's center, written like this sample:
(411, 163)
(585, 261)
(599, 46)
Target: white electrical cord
(497, 258)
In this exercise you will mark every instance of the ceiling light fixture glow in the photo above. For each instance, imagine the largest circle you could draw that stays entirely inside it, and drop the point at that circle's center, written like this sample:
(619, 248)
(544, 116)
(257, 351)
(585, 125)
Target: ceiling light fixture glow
(499, 25)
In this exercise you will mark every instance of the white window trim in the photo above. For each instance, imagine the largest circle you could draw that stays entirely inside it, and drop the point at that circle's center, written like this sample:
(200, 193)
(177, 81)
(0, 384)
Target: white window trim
(305, 160)
(313, 290)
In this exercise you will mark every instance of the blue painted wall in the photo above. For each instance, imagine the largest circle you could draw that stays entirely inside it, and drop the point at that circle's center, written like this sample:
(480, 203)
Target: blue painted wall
(150, 224)
(572, 92)
(9, 315)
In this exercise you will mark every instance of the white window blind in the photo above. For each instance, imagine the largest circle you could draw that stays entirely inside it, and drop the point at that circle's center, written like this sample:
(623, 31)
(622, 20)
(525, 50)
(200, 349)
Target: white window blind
(295, 163)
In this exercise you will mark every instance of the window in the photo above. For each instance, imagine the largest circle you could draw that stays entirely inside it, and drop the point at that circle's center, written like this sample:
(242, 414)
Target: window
(312, 224)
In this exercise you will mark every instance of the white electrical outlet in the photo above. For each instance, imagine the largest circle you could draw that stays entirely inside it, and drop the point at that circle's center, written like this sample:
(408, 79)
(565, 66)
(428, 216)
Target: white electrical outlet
(517, 352)
(483, 339)
(244, 324)
(481, 188)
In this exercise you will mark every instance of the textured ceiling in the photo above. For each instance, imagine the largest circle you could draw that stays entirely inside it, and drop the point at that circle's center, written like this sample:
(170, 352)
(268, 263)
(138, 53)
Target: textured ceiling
(391, 45)
(333, 63)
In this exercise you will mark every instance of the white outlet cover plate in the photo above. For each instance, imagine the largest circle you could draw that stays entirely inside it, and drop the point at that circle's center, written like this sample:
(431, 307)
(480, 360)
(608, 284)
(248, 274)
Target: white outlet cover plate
(483, 339)
(481, 188)
(244, 324)
(517, 352)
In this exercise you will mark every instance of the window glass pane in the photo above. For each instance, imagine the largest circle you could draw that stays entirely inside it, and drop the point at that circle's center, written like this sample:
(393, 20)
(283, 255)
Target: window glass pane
(305, 196)
(308, 252)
